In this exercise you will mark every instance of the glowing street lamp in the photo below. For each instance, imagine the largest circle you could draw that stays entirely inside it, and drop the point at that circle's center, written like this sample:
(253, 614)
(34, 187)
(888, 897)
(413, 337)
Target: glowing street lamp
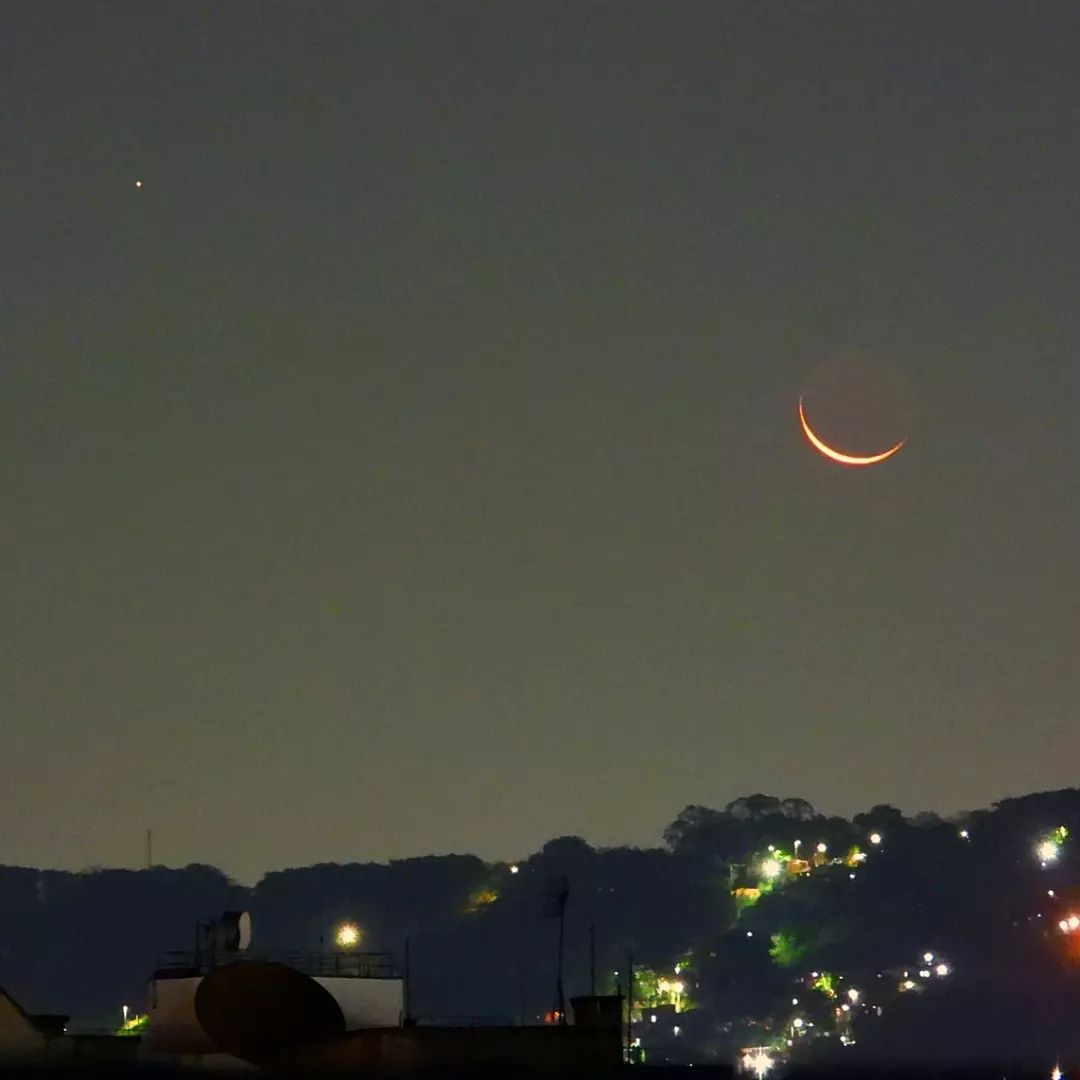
(1047, 852)
(758, 1062)
(770, 869)
(941, 970)
(347, 936)
(822, 848)
(875, 838)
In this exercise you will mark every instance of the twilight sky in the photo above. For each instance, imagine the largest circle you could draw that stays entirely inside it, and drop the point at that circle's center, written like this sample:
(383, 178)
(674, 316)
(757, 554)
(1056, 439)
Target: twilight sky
(412, 463)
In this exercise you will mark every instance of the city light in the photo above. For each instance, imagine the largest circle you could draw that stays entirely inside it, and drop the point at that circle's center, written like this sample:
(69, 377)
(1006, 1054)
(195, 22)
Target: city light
(925, 973)
(875, 838)
(348, 935)
(853, 995)
(1056, 1073)
(942, 970)
(797, 1022)
(515, 869)
(758, 1062)
(964, 834)
(771, 869)
(1047, 851)
(822, 848)
(928, 957)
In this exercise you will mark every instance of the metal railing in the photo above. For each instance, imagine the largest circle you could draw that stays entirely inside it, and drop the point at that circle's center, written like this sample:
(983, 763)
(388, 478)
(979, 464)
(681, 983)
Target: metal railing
(320, 964)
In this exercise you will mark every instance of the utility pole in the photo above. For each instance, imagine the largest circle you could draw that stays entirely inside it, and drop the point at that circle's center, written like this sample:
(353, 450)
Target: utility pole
(149, 849)
(559, 988)
(592, 959)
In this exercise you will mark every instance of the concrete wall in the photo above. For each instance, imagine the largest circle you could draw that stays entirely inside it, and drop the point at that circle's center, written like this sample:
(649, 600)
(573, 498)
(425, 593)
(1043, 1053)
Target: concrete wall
(174, 1031)
(367, 1003)
(173, 1028)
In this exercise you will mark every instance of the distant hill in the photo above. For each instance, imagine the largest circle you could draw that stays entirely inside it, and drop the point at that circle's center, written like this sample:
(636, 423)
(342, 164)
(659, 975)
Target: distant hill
(750, 926)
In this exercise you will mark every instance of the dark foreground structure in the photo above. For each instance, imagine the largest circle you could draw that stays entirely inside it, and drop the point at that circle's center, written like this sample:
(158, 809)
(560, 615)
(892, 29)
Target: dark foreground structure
(275, 1018)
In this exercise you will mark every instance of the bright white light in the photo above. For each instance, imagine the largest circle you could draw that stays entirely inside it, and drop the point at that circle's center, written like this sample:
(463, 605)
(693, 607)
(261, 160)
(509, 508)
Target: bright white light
(852, 876)
(1050, 892)
(1056, 1073)
(749, 933)
(758, 1062)
(138, 183)
(942, 970)
(875, 838)
(928, 957)
(515, 869)
(677, 1030)
(797, 1022)
(772, 847)
(853, 995)
(845, 1008)
(678, 987)
(1074, 922)
(770, 869)
(822, 848)
(964, 834)
(925, 973)
(652, 1019)
(794, 1001)
(347, 935)
(1063, 926)
(907, 984)
(1047, 851)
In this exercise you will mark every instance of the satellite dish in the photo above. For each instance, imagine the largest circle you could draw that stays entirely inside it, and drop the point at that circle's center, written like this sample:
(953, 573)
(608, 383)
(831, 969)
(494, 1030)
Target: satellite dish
(232, 932)
(257, 1010)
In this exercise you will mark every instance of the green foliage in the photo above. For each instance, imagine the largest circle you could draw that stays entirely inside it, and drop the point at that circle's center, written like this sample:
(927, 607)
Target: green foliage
(788, 948)
(825, 983)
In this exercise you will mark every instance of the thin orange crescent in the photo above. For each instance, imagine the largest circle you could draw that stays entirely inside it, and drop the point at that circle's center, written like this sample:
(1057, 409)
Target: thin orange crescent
(836, 455)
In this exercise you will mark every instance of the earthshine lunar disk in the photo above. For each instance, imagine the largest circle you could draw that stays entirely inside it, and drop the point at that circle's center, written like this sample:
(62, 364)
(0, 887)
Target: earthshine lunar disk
(836, 455)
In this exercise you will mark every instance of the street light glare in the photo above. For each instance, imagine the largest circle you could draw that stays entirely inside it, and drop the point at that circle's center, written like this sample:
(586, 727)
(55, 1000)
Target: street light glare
(1047, 851)
(348, 935)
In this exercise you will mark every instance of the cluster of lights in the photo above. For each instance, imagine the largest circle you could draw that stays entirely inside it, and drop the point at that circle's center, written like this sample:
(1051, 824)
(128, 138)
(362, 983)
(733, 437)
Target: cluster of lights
(1070, 924)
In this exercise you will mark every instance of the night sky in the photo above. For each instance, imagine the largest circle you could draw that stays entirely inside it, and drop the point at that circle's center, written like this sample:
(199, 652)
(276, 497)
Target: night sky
(412, 463)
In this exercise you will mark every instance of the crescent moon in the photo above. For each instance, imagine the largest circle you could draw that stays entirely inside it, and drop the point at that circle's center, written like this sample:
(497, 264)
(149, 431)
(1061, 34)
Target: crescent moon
(836, 455)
